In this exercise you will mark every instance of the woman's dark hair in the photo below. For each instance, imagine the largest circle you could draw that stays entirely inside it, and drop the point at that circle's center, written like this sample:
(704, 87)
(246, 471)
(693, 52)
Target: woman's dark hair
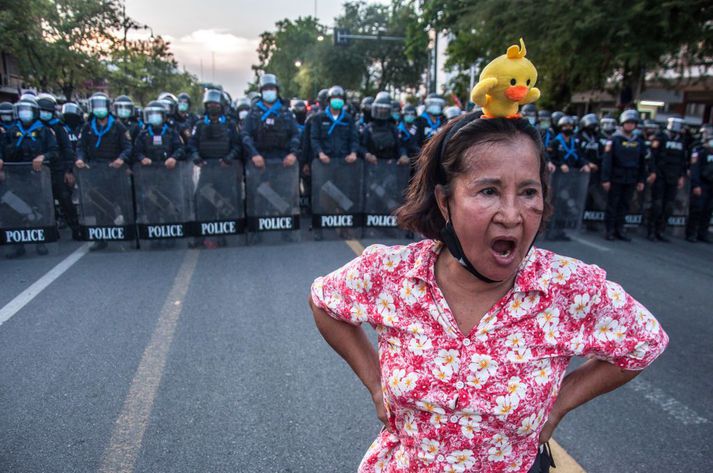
(439, 163)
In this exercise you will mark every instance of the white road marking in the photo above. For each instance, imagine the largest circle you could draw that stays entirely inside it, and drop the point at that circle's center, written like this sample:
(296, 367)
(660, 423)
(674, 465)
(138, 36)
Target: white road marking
(589, 243)
(671, 406)
(22, 299)
(129, 428)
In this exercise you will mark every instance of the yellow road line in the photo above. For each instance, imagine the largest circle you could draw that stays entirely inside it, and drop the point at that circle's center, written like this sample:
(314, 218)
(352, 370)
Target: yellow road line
(565, 463)
(130, 426)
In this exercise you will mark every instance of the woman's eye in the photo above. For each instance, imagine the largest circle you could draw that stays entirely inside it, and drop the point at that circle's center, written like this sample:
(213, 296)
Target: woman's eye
(489, 191)
(531, 192)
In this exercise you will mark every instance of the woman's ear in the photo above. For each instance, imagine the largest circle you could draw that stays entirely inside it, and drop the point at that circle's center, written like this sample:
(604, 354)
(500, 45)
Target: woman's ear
(442, 201)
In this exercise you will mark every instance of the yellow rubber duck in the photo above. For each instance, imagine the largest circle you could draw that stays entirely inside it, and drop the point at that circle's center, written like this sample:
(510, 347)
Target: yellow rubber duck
(506, 83)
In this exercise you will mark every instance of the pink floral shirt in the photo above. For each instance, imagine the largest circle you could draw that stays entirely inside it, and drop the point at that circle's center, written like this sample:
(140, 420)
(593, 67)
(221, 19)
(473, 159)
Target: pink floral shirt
(476, 402)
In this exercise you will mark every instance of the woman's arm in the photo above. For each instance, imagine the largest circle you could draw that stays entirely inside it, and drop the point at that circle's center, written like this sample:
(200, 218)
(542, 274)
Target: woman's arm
(353, 345)
(592, 379)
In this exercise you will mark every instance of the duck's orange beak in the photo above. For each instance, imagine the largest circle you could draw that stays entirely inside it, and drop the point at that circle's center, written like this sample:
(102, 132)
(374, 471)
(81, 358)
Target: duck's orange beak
(516, 92)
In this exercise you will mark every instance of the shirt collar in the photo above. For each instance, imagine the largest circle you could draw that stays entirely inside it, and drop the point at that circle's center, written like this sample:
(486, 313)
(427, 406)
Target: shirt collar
(533, 275)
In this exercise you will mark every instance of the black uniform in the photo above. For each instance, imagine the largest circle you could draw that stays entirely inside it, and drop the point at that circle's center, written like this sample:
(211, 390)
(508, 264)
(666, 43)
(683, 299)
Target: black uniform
(381, 138)
(215, 140)
(548, 136)
(64, 164)
(270, 131)
(159, 145)
(568, 152)
(701, 208)
(670, 158)
(623, 165)
(407, 135)
(426, 127)
(97, 143)
(23, 144)
(184, 125)
(335, 137)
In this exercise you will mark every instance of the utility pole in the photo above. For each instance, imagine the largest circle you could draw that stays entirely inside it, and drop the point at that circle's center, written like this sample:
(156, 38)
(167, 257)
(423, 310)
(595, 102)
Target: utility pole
(213, 53)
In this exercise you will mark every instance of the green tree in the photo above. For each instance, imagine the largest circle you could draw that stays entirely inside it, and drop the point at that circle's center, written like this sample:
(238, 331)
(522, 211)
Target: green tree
(579, 46)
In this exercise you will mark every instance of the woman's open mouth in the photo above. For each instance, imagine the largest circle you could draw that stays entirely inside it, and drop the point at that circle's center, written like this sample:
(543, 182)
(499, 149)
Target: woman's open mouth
(503, 250)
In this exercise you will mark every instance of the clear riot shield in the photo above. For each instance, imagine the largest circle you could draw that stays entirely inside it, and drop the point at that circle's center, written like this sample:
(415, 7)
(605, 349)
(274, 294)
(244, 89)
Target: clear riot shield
(273, 202)
(677, 221)
(595, 208)
(164, 204)
(384, 185)
(106, 209)
(337, 199)
(219, 210)
(26, 208)
(569, 196)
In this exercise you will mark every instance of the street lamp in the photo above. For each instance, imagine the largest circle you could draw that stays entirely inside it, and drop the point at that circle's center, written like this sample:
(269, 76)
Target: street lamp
(298, 63)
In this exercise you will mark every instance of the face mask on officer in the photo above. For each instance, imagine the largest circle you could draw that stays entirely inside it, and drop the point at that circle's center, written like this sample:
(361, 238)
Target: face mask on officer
(532, 120)
(46, 116)
(6, 118)
(269, 95)
(242, 114)
(155, 119)
(544, 124)
(396, 116)
(182, 106)
(336, 103)
(213, 109)
(123, 113)
(25, 116)
(434, 109)
(566, 131)
(100, 112)
(409, 118)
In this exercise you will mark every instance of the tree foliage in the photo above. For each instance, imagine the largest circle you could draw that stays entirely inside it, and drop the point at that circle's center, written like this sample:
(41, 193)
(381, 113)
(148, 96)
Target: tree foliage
(602, 44)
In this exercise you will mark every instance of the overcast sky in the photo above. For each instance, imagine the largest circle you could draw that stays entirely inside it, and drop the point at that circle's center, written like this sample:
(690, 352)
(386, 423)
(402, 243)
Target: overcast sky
(230, 29)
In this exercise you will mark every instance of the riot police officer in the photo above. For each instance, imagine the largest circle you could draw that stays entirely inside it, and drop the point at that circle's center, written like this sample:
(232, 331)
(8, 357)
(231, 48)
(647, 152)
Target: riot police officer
(242, 107)
(61, 167)
(170, 102)
(701, 206)
(124, 110)
(607, 126)
(365, 117)
(299, 109)
(381, 137)
(73, 120)
(670, 159)
(529, 112)
(592, 148)
(333, 132)
(396, 111)
(428, 123)
(28, 140)
(407, 132)
(157, 142)
(214, 137)
(6, 116)
(270, 130)
(449, 113)
(547, 133)
(623, 171)
(185, 119)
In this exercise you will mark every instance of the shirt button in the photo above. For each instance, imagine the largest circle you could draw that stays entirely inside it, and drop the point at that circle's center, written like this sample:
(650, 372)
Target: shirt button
(441, 458)
(460, 385)
(466, 342)
(454, 419)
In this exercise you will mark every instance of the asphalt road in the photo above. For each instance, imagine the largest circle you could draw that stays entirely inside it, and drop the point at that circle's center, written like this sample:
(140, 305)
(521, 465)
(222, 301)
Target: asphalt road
(208, 361)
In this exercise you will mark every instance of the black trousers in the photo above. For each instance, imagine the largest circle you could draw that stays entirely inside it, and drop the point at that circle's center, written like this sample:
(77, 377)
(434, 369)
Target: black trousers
(544, 460)
(63, 193)
(618, 200)
(663, 196)
(701, 210)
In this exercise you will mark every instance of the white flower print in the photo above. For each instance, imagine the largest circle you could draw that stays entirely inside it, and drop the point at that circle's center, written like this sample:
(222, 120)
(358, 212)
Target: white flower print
(517, 306)
(561, 276)
(499, 439)
(485, 328)
(351, 278)
(401, 457)
(605, 328)
(619, 332)
(551, 334)
(484, 365)
(531, 300)
(616, 295)
(419, 289)
(543, 372)
(499, 453)
(549, 317)
(407, 292)
(516, 387)
(430, 407)
(461, 460)
(419, 344)
(504, 405)
(441, 375)
(410, 426)
(385, 304)
(416, 329)
(364, 283)
(448, 361)
(580, 307)
(514, 465)
(394, 345)
(515, 340)
(576, 344)
(401, 383)
(429, 449)
(520, 355)
(528, 425)
(358, 312)
(438, 420)
(408, 382)
(477, 380)
(391, 261)
(469, 424)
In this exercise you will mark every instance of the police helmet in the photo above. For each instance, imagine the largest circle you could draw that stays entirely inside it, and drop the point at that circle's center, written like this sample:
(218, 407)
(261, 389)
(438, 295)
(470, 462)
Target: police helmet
(213, 96)
(555, 117)
(565, 120)
(242, 103)
(169, 101)
(590, 120)
(123, 107)
(322, 97)
(650, 126)
(529, 110)
(299, 107)
(267, 80)
(544, 114)
(26, 109)
(98, 100)
(28, 94)
(184, 102)
(47, 102)
(155, 107)
(434, 104)
(336, 91)
(6, 112)
(381, 108)
(71, 108)
(452, 112)
(630, 115)
(608, 125)
(366, 104)
(674, 124)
